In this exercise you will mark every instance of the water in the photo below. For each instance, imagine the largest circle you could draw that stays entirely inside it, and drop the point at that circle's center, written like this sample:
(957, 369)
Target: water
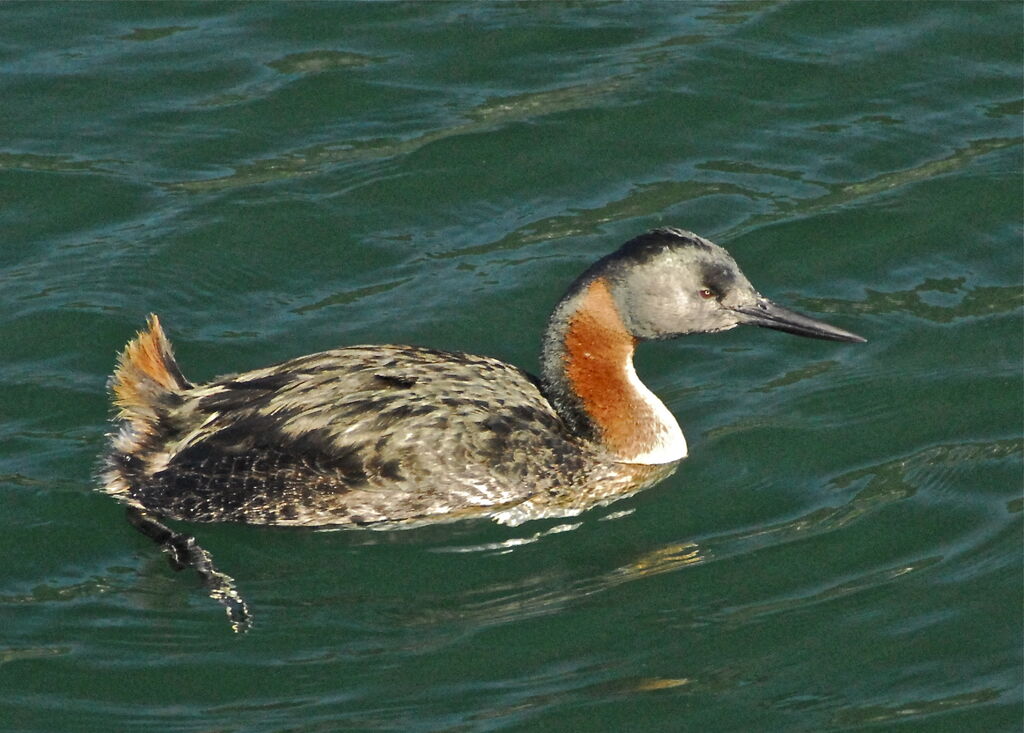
(842, 551)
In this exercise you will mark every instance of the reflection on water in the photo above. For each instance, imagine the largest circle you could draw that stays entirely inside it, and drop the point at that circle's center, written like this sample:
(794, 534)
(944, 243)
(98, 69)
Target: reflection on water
(875, 488)
(17, 654)
(746, 613)
(534, 595)
(508, 545)
(313, 62)
(874, 714)
(58, 163)
(155, 34)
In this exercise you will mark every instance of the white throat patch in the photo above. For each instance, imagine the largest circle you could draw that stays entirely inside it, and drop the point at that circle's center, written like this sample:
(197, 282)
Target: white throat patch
(670, 444)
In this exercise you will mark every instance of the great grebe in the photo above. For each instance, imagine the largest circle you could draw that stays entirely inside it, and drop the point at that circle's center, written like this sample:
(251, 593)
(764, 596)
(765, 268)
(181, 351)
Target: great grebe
(387, 435)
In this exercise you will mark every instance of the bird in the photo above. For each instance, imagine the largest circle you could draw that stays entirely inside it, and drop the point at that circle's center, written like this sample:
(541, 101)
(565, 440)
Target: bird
(396, 436)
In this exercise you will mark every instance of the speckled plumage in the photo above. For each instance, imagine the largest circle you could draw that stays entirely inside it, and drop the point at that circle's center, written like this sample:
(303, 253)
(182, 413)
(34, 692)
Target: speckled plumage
(357, 435)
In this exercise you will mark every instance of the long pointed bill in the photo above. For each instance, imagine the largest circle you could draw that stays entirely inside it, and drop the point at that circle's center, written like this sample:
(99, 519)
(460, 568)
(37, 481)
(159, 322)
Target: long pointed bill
(771, 315)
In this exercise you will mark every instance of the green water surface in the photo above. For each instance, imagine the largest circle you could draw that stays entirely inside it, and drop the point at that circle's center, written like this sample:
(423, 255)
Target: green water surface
(841, 551)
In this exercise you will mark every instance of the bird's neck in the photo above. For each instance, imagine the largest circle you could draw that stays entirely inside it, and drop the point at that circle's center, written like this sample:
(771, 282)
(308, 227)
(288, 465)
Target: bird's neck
(587, 373)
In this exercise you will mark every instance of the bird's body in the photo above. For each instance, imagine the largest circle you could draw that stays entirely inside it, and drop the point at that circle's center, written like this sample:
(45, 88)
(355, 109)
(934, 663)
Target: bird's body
(398, 435)
(362, 435)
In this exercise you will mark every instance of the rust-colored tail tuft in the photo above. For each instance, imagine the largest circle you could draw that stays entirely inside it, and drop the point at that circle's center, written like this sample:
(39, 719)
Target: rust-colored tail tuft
(146, 374)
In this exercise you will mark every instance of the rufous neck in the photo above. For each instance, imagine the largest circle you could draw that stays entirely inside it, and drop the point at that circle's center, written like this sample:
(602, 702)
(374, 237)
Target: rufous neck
(587, 371)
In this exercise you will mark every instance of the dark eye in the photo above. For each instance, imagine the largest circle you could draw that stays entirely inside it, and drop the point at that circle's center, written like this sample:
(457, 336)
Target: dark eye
(706, 293)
